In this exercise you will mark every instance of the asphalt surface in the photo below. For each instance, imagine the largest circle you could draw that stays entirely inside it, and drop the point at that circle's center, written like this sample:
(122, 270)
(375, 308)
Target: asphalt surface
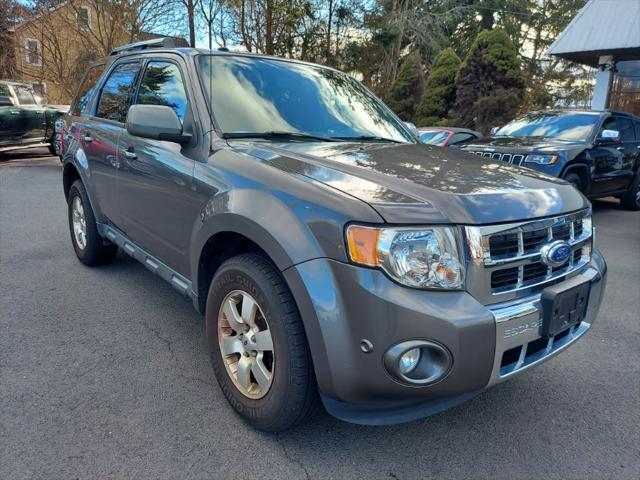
(104, 374)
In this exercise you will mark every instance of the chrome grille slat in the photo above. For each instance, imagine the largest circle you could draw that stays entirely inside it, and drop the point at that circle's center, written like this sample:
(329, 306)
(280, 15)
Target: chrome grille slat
(518, 268)
(515, 159)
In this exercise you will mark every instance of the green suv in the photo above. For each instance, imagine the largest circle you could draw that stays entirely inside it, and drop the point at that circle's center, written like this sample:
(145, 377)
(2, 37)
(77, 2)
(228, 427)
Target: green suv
(24, 120)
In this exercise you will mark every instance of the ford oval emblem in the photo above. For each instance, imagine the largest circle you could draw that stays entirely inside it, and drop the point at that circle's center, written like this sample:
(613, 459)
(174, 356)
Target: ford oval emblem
(555, 254)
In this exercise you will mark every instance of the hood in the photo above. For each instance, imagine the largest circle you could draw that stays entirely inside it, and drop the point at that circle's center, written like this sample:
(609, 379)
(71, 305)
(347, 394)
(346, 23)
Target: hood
(521, 144)
(417, 183)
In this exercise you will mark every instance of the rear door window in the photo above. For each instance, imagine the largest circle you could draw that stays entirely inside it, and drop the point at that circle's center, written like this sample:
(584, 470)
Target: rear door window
(87, 87)
(460, 137)
(625, 127)
(25, 96)
(116, 93)
(162, 85)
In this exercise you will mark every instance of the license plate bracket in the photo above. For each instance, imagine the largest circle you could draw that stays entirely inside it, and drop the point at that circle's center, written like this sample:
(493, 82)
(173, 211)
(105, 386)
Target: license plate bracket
(562, 309)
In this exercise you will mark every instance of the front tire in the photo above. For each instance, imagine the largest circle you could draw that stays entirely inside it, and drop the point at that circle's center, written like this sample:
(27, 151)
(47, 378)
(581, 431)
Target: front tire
(575, 180)
(631, 200)
(87, 242)
(258, 346)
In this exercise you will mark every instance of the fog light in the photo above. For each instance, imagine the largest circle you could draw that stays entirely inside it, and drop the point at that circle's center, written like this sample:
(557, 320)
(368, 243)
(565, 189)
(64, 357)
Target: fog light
(409, 360)
(418, 362)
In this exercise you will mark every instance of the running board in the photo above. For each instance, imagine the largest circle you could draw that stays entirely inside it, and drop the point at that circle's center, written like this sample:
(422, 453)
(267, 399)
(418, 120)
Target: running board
(177, 281)
(22, 147)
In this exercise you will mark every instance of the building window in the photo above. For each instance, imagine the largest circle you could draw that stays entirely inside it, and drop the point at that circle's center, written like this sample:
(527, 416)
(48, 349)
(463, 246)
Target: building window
(625, 88)
(33, 52)
(84, 18)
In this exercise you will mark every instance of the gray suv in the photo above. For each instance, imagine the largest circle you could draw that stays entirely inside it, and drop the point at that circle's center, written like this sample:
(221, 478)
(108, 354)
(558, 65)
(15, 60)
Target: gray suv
(334, 257)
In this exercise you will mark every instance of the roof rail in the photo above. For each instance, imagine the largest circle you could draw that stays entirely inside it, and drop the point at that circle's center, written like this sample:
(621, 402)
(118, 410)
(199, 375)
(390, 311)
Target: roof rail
(163, 42)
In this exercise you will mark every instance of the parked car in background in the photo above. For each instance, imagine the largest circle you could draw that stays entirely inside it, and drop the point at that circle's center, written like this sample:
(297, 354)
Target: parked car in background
(597, 151)
(329, 251)
(447, 136)
(24, 120)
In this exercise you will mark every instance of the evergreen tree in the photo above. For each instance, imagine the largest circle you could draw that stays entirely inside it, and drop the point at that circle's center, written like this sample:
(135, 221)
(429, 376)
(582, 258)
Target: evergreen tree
(439, 90)
(490, 85)
(407, 89)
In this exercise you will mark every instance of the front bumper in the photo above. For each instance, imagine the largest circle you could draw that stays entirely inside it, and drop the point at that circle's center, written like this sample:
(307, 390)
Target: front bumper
(342, 305)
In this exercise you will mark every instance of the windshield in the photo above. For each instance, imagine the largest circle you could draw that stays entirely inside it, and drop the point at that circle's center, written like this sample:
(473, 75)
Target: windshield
(564, 126)
(258, 95)
(434, 137)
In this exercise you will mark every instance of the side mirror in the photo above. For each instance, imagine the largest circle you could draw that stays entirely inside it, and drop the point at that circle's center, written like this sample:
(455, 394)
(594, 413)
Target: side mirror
(494, 130)
(608, 136)
(412, 128)
(6, 101)
(157, 122)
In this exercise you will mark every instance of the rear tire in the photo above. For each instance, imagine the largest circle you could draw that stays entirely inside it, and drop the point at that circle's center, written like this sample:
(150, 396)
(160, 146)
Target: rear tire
(282, 392)
(575, 180)
(631, 200)
(52, 146)
(87, 242)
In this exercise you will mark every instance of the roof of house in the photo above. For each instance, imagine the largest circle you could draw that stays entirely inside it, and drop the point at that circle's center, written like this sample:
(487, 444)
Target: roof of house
(601, 27)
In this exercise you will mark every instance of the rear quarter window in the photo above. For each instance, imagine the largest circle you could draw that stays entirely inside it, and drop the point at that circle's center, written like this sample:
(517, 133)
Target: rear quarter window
(80, 104)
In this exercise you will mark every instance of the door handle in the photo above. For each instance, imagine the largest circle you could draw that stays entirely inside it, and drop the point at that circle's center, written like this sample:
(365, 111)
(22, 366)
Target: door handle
(87, 138)
(14, 112)
(129, 153)
(620, 149)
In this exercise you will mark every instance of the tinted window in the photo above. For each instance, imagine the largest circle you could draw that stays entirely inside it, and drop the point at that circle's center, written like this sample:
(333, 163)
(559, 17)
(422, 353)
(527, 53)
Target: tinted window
(566, 126)
(460, 137)
(256, 95)
(434, 137)
(162, 85)
(25, 97)
(637, 131)
(4, 90)
(610, 123)
(625, 127)
(86, 90)
(116, 93)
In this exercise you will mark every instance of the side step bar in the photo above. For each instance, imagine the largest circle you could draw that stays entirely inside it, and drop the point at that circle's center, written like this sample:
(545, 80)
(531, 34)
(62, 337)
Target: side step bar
(177, 281)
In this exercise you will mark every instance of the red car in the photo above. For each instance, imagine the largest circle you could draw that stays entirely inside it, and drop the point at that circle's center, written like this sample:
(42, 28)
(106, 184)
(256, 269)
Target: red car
(446, 136)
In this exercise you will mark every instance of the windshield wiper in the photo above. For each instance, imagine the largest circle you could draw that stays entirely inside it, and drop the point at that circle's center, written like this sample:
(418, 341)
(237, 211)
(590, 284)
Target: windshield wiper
(278, 134)
(369, 138)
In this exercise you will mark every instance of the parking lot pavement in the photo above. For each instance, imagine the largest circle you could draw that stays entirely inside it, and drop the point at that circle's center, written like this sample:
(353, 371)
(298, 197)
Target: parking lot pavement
(104, 374)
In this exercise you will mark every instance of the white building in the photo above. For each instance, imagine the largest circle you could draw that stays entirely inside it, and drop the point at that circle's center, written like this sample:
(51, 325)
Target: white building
(606, 34)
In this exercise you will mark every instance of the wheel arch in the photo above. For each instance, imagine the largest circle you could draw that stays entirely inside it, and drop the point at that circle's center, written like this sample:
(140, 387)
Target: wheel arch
(218, 248)
(69, 175)
(582, 170)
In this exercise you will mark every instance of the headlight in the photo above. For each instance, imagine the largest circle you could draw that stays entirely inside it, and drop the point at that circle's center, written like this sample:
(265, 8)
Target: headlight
(420, 258)
(541, 159)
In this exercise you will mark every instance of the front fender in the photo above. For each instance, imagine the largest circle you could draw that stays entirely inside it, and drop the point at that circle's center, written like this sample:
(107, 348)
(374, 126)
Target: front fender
(264, 219)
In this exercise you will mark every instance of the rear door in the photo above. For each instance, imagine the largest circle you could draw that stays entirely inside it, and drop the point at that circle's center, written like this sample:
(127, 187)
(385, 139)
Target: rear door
(32, 118)
(100, 137)
(629, 146)
(157, 204)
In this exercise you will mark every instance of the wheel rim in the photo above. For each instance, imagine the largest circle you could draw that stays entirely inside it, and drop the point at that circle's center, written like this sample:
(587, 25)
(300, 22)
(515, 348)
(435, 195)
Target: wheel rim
(246, 344)
(79, 223)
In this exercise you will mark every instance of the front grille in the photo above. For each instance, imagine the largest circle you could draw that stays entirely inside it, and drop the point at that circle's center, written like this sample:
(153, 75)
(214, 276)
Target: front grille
(507, 261)
(516, 159)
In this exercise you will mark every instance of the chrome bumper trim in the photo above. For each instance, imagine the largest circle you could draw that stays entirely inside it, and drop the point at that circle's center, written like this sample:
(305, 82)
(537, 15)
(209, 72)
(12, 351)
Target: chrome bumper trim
(518, 324)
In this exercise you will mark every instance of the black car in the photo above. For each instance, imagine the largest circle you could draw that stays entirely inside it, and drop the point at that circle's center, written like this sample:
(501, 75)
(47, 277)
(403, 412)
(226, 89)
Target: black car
(597, 151)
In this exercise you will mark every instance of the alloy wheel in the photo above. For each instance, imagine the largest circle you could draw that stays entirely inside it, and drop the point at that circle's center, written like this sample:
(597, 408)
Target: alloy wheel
(79, 222)
(246, 344)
